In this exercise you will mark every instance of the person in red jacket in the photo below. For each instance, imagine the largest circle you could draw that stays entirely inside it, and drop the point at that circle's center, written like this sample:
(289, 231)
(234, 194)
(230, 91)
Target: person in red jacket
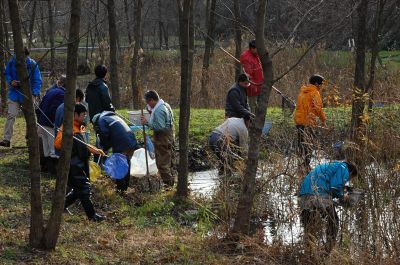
(252, 67)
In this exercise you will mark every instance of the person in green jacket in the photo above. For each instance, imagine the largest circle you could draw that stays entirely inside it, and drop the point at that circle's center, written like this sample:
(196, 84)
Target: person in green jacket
(161, 121)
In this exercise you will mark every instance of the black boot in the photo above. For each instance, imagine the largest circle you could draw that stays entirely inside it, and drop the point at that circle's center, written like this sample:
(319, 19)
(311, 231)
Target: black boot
(97, 218)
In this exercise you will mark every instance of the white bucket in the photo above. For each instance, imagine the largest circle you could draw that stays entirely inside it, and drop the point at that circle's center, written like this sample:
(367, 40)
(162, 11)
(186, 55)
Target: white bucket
(134, 116)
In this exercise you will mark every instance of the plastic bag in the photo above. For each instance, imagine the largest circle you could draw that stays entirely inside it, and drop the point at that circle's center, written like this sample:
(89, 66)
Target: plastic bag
(138, 164)
(150, 147)
(94, 171)
(116, 166)
(267, 127)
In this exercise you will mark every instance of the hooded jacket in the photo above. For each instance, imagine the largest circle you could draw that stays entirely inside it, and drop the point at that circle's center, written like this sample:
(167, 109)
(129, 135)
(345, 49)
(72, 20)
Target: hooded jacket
(98, 97)
(252, 67)
(114, 133)
(326, 180)
(35, 79)
(309, 106)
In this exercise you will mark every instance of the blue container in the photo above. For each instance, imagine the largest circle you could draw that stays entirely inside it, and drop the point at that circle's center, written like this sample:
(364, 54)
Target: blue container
(116, 166)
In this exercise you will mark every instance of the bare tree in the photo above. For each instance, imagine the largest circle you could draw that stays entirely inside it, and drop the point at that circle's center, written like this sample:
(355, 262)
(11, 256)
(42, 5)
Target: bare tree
(238, 37)
(186, 41)
(112, 29)
(3, 85)
(51, 11)
(358, 104)
(209, 42)
(246, 197)
(137, 102)
(128, 30)
(36, 228)
(32, 24)
(54, 224)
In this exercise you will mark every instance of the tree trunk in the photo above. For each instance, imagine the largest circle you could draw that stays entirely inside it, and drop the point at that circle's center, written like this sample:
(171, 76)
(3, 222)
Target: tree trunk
(245, 204)
(238, 37)
(32, 24)
(375, 50)
(3, 85)
(160, 25)
(51, 11)
(357, 125)
(137, 102)
(128, 30)
(42, 26)
(166, 37)
(36, 227)
(186, 41)
(112, 28)
(210, 24)
(53, 228)
(5, 28)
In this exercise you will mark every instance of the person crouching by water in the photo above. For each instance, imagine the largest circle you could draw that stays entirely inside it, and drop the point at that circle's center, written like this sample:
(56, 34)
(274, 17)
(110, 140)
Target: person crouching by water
(162, 122)
(78, 177)
(229, 141)
(318, 189)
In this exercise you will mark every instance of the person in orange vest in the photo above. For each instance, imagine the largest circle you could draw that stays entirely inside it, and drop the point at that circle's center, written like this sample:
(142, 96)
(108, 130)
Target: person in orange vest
(251, 64)
(78, 176)
(308, 109)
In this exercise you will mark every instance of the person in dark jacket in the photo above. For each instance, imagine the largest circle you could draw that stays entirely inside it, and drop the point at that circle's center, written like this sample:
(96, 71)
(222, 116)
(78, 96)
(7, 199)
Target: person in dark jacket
(15, 95)
(97, 94)
(78, 177)
(114, 133)
(236, 100)
(59, 116)
(46, 117)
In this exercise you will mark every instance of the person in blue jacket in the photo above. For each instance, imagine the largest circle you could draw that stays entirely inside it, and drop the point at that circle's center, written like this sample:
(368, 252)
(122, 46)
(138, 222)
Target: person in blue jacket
(114, 133)
(15, 94)
(53, 98)
(318, 189)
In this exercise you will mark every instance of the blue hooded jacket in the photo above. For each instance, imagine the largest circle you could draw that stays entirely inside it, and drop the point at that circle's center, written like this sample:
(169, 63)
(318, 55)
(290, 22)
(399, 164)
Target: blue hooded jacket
(326, 180)
(114, 133)
(49, 104)
(35, 79)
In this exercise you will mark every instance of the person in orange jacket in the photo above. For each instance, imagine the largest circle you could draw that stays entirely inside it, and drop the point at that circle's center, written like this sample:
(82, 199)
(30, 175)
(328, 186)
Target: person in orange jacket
(308, 109)
(251, 64)
(78, 177)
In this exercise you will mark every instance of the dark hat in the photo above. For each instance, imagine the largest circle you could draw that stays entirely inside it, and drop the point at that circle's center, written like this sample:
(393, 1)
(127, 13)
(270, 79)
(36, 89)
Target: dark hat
(252, 44)
(243, 78)
(316, 79)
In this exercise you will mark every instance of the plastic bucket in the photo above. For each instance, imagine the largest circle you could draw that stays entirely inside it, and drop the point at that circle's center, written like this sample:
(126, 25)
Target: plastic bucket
(134, 116)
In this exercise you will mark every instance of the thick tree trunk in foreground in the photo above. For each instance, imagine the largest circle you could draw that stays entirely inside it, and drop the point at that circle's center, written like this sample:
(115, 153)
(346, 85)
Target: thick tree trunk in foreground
(136, 97)
(36, 227)
(3, 85)
(112, 28)
(238, 38)
(53, 228)
(245, 204)
(210, 24)
(186, 41)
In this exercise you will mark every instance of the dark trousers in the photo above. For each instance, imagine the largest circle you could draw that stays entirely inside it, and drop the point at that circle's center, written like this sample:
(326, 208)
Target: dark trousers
(84, 197)
(314, 220)
(305, 142)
